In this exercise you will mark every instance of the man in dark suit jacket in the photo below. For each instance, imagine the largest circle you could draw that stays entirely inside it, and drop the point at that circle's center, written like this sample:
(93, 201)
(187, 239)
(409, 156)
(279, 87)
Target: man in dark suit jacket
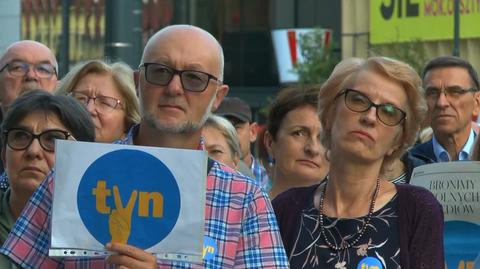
(452, 93)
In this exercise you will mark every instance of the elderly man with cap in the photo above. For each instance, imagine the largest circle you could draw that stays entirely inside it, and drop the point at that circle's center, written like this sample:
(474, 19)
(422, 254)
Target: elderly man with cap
(238, 112)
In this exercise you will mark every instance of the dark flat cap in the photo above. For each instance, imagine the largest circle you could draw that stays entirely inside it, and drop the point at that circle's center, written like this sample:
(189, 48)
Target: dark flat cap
(235, 107)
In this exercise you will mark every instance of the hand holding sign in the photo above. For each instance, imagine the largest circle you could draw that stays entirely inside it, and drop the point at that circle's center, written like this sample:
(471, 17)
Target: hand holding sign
(127, 256)
(120, 219)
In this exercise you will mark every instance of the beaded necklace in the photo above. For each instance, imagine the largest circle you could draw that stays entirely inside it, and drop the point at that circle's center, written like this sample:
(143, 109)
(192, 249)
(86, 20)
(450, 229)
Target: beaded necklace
(345, 244)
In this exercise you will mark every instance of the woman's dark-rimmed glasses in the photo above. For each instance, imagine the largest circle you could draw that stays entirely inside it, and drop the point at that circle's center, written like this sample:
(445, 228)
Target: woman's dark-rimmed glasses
(387, 113)
(20, 139)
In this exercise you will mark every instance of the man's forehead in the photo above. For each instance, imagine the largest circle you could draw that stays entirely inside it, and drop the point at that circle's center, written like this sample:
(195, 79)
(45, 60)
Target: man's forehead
(191, 45)
(443, 70)
(448, 76)
(29, 53)
(170, 54)
(171, 34)
(194, 62)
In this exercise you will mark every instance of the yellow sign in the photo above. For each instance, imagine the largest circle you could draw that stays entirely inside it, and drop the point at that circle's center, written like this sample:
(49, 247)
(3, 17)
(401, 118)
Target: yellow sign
(408, 20)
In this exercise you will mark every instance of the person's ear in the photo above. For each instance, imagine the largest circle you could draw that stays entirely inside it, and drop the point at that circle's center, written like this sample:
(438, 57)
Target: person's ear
(268, 141)
(222, 91)
(476, 104)
(397, 144)
(253, 131)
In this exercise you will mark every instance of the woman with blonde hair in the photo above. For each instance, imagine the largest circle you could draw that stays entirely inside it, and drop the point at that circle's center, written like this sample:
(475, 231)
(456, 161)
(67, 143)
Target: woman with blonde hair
(108, 93)
(370, 112)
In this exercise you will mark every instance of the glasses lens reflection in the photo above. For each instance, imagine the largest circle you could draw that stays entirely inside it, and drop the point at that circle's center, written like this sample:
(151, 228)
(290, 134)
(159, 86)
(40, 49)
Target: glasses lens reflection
(386, 113)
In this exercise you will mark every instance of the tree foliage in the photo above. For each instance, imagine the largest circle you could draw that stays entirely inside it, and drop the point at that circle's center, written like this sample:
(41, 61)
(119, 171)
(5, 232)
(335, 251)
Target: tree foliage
(414, 52)
(319, 61)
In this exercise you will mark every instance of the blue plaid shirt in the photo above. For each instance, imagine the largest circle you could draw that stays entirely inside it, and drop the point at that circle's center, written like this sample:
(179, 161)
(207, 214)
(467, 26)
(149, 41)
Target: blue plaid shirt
(259, 172)
(238, 217)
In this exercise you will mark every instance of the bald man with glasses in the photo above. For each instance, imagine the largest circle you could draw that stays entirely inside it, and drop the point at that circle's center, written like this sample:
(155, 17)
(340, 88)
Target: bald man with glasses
(180, 83)
(452, 93)
(26, 65)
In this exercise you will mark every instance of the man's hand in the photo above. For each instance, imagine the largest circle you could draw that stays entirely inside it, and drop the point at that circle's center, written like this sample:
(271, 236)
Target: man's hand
(130, 257)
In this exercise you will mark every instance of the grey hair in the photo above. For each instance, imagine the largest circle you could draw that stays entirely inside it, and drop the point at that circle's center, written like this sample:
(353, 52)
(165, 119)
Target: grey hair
(227, 130)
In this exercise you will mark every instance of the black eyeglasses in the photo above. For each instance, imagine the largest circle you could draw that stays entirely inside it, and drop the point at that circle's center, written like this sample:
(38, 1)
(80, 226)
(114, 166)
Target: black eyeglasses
(20, 69)
(451, 93)
(104, 104)
(387, 113)
(20, 139)
(160, 74)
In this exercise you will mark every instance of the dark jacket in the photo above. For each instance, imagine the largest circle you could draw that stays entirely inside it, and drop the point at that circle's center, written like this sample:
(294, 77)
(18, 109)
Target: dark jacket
(420, 222)
(411, 162)
(424, 152)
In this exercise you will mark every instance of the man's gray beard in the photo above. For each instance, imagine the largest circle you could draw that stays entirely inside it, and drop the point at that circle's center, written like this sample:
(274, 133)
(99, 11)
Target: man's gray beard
(187, 127)
(30, 86)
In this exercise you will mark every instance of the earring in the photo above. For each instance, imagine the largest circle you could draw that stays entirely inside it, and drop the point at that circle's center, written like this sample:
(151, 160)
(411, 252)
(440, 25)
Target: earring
(271, 160)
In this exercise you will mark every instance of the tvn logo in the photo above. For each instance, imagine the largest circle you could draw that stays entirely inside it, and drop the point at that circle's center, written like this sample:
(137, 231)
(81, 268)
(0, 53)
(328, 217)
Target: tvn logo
(119, 203)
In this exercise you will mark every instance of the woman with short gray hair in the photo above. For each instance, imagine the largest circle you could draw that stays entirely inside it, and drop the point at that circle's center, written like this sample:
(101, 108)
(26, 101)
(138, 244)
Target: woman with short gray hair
(221, 141)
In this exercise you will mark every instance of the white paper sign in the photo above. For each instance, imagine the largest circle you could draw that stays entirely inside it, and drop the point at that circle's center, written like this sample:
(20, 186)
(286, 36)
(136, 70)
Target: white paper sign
(152, 198)
(456, 185)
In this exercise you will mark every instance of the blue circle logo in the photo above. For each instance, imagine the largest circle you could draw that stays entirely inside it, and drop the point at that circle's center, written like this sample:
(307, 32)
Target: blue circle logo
(459, 236)
(128, 196)
(370, 263)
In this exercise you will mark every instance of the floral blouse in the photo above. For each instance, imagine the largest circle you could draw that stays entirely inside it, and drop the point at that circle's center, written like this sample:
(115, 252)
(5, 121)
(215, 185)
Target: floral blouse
(378, 247)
